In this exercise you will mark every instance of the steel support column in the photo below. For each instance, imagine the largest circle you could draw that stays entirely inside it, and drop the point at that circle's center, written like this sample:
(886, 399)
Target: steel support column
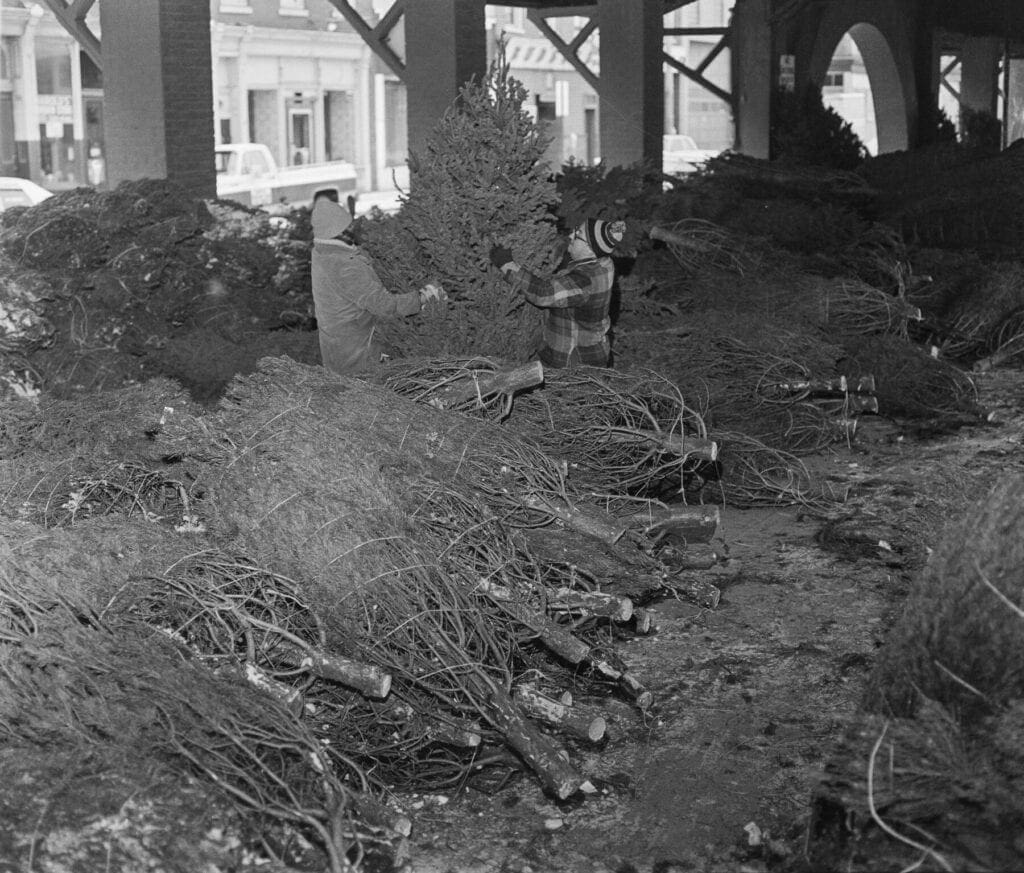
(445, 46)
(632, 85)
(158, 92)
(753, 75)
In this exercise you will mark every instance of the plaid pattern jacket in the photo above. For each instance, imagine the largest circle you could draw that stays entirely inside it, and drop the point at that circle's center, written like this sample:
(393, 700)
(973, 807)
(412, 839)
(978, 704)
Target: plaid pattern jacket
(576, 305)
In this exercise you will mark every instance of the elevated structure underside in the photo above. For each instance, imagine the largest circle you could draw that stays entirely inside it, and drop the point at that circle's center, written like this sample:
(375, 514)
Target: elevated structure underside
(166, 126)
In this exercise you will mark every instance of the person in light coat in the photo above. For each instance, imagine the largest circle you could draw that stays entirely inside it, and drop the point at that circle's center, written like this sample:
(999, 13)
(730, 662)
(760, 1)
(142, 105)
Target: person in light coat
(348, 295)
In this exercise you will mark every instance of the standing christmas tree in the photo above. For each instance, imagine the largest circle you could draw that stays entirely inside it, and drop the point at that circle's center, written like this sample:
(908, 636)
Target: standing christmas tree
(481, 180)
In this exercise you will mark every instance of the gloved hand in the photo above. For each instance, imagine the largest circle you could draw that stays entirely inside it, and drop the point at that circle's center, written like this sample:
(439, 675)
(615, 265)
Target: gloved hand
(500, 256)
(432, 293)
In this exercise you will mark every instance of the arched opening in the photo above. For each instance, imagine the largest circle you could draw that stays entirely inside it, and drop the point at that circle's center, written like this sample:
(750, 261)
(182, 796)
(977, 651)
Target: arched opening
(862, 83)
(847, 90)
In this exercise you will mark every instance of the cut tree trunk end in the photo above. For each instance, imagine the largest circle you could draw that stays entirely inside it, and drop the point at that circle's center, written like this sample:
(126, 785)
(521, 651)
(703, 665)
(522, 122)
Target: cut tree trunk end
(627, 682)
(482, 384)
(548, 761)
(688, 524)
(685, 242)
(683, 445)
(551, 634)
(699, 591)
(591, 603)
(643, 621)
(368, 680)
(588, 521)
(696, 556)
(563, 717)
(287, 694)
(835, 385)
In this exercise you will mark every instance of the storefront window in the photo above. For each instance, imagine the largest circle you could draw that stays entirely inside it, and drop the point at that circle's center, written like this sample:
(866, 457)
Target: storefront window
(57, 158)
(53, 67)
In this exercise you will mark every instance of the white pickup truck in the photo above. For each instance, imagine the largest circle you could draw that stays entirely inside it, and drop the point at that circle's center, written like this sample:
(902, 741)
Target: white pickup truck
(248, 174)
(681, 154)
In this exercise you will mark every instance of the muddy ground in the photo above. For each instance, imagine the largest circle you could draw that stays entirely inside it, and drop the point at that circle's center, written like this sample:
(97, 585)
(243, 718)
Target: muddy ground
(752, 697)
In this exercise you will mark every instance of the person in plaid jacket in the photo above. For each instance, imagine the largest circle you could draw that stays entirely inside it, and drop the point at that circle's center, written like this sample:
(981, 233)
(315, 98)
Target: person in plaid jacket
(576, 298)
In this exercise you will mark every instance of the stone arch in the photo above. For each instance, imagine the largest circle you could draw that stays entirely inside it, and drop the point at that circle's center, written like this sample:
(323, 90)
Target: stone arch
(882, 36)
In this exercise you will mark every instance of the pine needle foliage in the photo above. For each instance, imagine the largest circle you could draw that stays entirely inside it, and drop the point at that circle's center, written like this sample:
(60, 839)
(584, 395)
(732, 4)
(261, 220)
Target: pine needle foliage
(480, 180)
(806, 132)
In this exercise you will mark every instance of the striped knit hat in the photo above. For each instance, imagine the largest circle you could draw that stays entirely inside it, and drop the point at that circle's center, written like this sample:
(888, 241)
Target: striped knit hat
(602, 236)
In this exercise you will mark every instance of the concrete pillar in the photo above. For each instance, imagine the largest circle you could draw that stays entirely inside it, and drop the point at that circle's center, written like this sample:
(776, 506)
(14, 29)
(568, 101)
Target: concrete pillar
(158, 92)
(753, 77)
(77, 113)
(445, 46)
(979, 73)
(632, 88)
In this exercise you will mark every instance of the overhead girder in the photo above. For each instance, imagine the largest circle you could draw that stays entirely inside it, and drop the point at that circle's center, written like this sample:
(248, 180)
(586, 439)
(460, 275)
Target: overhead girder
(376, 36)
(993, 18)
(696, 74)
(570, 49)
(71, 15)
(1002, 18)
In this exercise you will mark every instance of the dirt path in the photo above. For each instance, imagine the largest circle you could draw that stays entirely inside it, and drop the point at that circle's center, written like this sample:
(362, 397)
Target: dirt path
(751, 697)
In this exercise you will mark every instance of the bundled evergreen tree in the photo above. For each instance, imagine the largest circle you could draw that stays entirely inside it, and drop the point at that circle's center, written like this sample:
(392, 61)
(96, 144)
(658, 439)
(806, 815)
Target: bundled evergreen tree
(806, 132)
(982, 131)
(480, 180)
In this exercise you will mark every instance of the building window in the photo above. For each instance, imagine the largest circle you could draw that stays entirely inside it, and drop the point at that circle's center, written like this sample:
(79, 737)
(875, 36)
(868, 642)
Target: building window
(235, 7)
(92, 76)
(339, 126)
(396, 142)
(10, 58)
(293, 7)
(263, 120)
(833, 80)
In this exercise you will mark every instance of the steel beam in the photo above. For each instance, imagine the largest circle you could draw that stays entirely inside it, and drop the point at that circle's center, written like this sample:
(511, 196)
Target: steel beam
(72, 19)
(376, 36)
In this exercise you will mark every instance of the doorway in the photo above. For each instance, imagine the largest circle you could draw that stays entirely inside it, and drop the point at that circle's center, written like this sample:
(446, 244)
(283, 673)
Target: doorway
(300, 135)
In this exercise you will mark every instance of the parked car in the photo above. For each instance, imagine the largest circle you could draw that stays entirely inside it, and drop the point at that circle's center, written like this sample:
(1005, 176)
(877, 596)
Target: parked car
(681, 154)
(15, 191)
(248, 174)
